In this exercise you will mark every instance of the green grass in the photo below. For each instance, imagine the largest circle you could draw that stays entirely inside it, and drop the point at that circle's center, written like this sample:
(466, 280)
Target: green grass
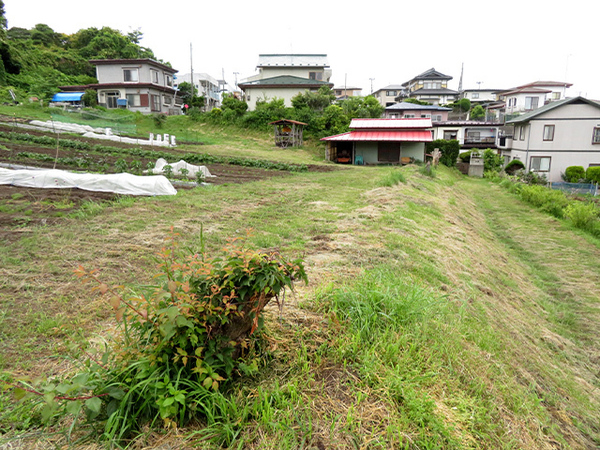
(441, 312)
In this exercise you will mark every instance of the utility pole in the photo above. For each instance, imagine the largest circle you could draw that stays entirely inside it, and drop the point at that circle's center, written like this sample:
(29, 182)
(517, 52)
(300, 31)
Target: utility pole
(191, 71)
(371, 84)
(236, 74)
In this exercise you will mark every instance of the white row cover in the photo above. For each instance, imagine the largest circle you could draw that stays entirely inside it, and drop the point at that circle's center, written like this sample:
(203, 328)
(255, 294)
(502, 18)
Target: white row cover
(120, 183)
(192, 170)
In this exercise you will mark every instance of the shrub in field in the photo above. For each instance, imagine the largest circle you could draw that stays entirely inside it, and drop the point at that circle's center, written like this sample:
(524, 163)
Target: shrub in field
(465, 156)
(583, 215)
(548, 200)
(593, 174)
(189, 336)
(574, 174)
(492, 161)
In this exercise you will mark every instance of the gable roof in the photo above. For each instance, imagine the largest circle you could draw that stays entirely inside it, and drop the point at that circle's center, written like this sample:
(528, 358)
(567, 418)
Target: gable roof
(441, 91)
(525, 90)
(389, 124)
(546, 84)
(552, 105)
(108, 62)
(413, 106)
(284, 81)
(293, 60)
(430, 74)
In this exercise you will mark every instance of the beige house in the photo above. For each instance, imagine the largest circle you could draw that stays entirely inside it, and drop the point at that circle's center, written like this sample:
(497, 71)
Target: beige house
(555, 136)
(431, 86)
(142, 85)
(284, 76)
(386, 96)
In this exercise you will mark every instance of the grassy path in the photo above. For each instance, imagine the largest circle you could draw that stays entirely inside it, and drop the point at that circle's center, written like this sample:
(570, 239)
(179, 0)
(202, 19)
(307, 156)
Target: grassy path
(557, 323)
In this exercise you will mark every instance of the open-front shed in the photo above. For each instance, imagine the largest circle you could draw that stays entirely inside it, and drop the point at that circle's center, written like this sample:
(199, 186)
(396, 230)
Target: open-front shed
(380, 141)
(288, 133)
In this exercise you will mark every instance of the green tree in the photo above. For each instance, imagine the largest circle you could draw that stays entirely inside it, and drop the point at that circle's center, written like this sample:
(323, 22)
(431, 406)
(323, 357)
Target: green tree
(90, 98)
(231, 103)
(449, 148)
(492, 161)
(3, 21)
(477, 113)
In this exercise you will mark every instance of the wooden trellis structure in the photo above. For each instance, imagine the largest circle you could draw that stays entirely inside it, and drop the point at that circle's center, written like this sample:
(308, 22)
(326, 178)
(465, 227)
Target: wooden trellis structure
(288, 133)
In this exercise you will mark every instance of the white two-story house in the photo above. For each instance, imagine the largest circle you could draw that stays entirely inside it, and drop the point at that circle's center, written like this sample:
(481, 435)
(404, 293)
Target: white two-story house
(142, 85)
(284, 76)
(555, 136)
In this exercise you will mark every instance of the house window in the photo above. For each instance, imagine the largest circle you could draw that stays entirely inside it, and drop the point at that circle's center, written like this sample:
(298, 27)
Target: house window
(133, 100)
(155, 99)
(390, 93)
(473, 136)
(425, 116)
(531, 103)
(169, 80)
(475, 95)
(596, 136)
(548, 132)
(315, 76)
(388, 152)
(167, 99)
(556, 96)
(522, 133)
(540, 163)
(154, 76)
(131, 75)
(433, 85)
(436, 118)
(450, 135)
(409, 116)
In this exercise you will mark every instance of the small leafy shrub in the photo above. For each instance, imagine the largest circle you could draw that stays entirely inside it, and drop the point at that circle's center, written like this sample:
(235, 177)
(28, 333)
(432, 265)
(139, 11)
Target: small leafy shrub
(427, 170)
(184, 339)
(136, 166)
(465, 157)
(513, 166)
(449, 148)
(492, 161)
(168, 171)
(574, 174)
(593, 174)
(200, 177)
(583, 215)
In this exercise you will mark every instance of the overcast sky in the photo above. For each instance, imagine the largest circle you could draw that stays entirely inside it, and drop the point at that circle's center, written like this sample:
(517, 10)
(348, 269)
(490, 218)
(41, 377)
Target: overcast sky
(502, 44)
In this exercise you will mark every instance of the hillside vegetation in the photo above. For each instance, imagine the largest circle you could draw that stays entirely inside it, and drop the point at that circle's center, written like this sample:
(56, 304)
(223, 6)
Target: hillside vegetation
(440, 312)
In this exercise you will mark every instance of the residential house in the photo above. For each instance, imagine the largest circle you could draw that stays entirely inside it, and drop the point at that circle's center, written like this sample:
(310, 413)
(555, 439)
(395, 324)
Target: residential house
(284, 76)
(142, 85)
(480, 96)
(430, 86)
(470, 134)
(204, 86)
(531, 96)
(555, 136)
(386, 96)
(380, 141)
(407, 110)
(344, 92)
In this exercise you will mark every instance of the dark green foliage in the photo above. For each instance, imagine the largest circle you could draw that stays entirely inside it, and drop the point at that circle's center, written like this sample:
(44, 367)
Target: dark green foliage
(90, 98)
(492, 161)
(465, 156)
(477, 113)
(449, 148)
(416, 102)
(235, 105)
(593, 174)
(463, 105)
(316, 101)
(574, 174)
(513, 166)
(363, 107)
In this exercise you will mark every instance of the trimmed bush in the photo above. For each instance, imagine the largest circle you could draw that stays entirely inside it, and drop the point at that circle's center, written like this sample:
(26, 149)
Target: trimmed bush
(574, 174)
(449, 149)
(513, 166)
(593, 174)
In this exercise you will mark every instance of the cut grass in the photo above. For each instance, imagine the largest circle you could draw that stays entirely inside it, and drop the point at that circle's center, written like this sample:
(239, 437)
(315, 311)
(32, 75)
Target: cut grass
(441, 312)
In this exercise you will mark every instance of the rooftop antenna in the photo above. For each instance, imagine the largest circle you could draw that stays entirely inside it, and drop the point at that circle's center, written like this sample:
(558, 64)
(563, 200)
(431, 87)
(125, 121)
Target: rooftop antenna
(479, 83)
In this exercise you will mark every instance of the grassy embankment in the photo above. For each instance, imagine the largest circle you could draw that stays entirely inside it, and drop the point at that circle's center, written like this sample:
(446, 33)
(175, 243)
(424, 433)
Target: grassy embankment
(441, 312)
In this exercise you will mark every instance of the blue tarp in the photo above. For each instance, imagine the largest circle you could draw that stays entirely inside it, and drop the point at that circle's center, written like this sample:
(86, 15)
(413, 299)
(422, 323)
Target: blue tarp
(67, 97)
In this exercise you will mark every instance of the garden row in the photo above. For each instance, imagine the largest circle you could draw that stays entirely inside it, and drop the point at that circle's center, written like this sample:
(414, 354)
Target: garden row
(192, 158)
